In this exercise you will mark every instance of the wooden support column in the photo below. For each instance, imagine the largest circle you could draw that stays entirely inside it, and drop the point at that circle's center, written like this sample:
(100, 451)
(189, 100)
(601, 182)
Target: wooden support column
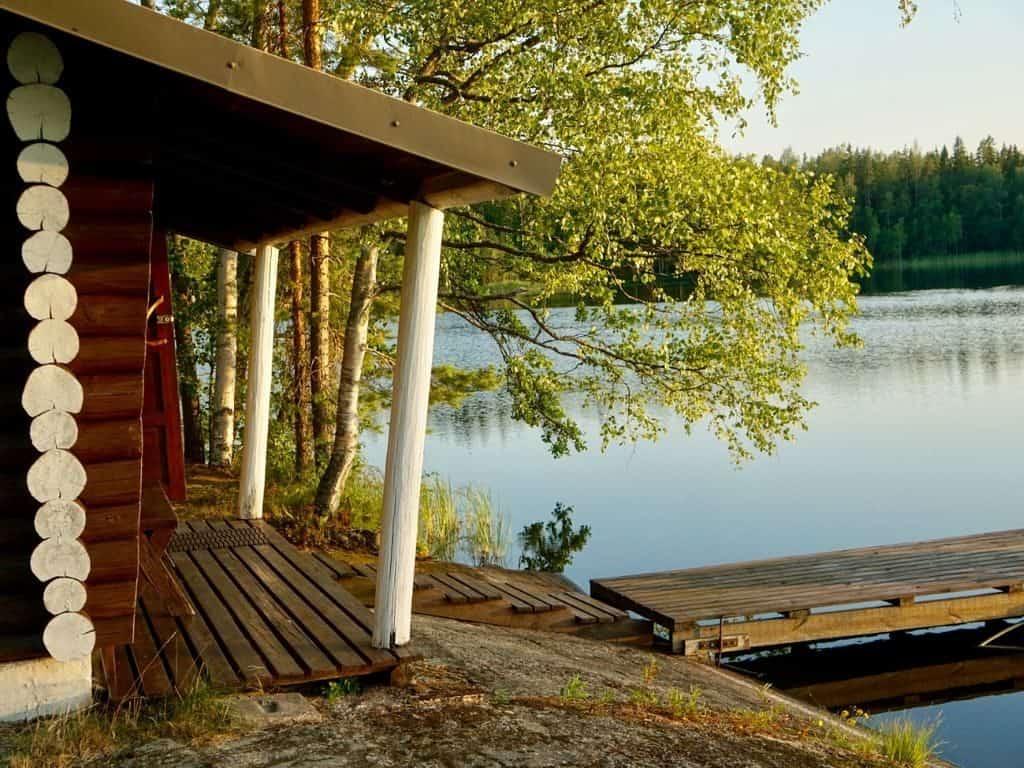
(261, 360)
(407, 431)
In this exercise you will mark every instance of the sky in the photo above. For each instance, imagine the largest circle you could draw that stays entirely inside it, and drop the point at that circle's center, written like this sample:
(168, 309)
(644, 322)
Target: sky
(956, 70)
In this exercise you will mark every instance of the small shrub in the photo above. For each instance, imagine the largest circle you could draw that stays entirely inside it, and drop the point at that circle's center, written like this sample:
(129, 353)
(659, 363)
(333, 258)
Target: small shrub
(908, 744)
(650, 671)
(684, 704)
(339, 689)
(574, 691)
(501, 697)
(550, 546)
(643, 698)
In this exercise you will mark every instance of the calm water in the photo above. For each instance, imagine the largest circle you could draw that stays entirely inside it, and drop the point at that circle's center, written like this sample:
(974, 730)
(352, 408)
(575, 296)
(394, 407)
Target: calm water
(917, 435)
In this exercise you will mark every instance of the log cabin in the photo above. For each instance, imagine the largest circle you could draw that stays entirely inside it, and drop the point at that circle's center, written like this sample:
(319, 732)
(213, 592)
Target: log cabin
(124, 125)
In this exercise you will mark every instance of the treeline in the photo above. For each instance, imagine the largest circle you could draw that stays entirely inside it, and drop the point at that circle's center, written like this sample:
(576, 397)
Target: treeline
(911, 204)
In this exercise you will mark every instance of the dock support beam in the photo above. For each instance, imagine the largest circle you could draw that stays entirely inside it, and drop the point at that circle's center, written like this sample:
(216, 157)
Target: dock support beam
(407, 431)
(261, 363)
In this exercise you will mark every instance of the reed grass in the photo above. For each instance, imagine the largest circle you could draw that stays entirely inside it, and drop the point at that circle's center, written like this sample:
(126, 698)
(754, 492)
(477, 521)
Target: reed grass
(486, 530)
(439, 521)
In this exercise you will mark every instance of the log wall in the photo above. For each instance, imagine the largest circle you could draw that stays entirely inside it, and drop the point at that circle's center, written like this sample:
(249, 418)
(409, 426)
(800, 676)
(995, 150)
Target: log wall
(110, 196)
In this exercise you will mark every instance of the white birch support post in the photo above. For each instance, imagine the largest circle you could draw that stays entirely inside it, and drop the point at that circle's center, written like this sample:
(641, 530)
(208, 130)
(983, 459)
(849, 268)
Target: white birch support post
(407, 431)
(261, 360)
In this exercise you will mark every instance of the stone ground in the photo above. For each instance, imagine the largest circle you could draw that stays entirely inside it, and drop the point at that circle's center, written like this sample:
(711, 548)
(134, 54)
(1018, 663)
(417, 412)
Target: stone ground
(487, 696)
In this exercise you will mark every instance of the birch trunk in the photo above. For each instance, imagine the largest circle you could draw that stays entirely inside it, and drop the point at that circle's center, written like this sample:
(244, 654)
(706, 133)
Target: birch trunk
(346, 434)
(300, 363)
(320, 342)
(222, 437)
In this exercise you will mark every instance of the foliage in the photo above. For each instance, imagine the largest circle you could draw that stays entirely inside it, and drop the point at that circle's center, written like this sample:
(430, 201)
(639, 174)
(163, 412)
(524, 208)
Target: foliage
(631, 95)
(550, 546)
(485, 529)
(910, 205)
(575, 690)
(684, 704)
(907, 744)
(340, 689)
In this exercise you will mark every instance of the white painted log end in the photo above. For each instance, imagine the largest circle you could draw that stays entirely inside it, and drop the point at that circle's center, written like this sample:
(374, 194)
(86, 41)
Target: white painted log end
(34, 58)
(60, 519)
(51, 388)
(43, 207)
(47, 252)
(53, 429)
(56, 475)
(39, 113)
(64, 596)
(51, 297)
(69, 636)
(53, 341)
(42, 163)
(60, 558)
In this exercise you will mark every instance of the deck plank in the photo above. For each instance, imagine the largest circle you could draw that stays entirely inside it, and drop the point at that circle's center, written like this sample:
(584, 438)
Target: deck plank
(329, 638)
(244, 659)
(290, 633)
(258, 630)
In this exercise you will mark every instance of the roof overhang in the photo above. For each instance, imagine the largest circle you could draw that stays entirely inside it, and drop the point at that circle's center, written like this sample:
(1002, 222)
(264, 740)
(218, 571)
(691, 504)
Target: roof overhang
(335, 153)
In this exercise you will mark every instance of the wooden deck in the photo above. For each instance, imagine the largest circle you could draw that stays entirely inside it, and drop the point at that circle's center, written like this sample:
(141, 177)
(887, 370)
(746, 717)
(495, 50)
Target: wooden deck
(831, 595)
(265, 615)
(500, 597)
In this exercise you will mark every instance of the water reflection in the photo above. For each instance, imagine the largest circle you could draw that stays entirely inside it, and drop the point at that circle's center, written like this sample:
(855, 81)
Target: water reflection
(918, 435)
(942, 677)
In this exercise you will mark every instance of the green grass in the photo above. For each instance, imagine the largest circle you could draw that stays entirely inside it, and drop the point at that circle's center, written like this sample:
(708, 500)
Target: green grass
(908, 744)
(60, 742)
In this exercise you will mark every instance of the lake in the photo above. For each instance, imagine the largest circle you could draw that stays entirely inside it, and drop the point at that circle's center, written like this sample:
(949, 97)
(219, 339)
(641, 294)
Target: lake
(919, 434)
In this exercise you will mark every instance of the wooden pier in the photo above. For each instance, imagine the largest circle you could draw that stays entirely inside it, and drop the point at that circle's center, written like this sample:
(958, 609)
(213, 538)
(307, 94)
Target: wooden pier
(827, 596)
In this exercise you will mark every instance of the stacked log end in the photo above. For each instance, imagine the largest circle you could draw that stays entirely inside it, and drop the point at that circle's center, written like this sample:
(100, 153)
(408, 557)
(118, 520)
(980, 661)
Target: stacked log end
(40, 114)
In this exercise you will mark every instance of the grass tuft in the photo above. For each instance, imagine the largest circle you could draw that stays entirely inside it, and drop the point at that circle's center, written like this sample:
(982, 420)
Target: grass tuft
(59, 742)
(908, 744)
(574, 690)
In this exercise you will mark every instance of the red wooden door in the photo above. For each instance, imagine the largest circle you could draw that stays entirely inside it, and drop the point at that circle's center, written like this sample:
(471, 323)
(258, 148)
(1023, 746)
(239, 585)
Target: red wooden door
(163, 455)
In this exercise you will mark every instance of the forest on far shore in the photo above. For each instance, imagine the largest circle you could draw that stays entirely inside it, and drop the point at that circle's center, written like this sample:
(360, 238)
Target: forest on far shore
(912, 205)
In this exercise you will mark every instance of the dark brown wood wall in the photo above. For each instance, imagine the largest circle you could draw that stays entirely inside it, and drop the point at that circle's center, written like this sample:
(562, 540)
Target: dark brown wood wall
(111, 232)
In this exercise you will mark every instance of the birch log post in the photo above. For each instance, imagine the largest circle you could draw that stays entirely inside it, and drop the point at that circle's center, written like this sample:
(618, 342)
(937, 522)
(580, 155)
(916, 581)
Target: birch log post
(261, 361)
(407, 431)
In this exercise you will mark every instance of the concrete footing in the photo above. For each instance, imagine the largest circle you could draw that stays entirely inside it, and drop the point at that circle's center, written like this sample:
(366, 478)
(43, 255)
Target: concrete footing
(41, 687)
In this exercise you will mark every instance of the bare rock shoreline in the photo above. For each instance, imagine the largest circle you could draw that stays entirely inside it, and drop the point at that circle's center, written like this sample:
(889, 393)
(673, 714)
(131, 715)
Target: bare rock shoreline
(488, 696)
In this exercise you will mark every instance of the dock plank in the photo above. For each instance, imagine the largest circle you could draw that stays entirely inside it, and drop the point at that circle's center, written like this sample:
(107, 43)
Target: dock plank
(801, 587)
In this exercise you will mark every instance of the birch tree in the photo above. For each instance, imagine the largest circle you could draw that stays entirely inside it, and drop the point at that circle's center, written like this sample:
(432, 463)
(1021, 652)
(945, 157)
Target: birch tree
(222, 436)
